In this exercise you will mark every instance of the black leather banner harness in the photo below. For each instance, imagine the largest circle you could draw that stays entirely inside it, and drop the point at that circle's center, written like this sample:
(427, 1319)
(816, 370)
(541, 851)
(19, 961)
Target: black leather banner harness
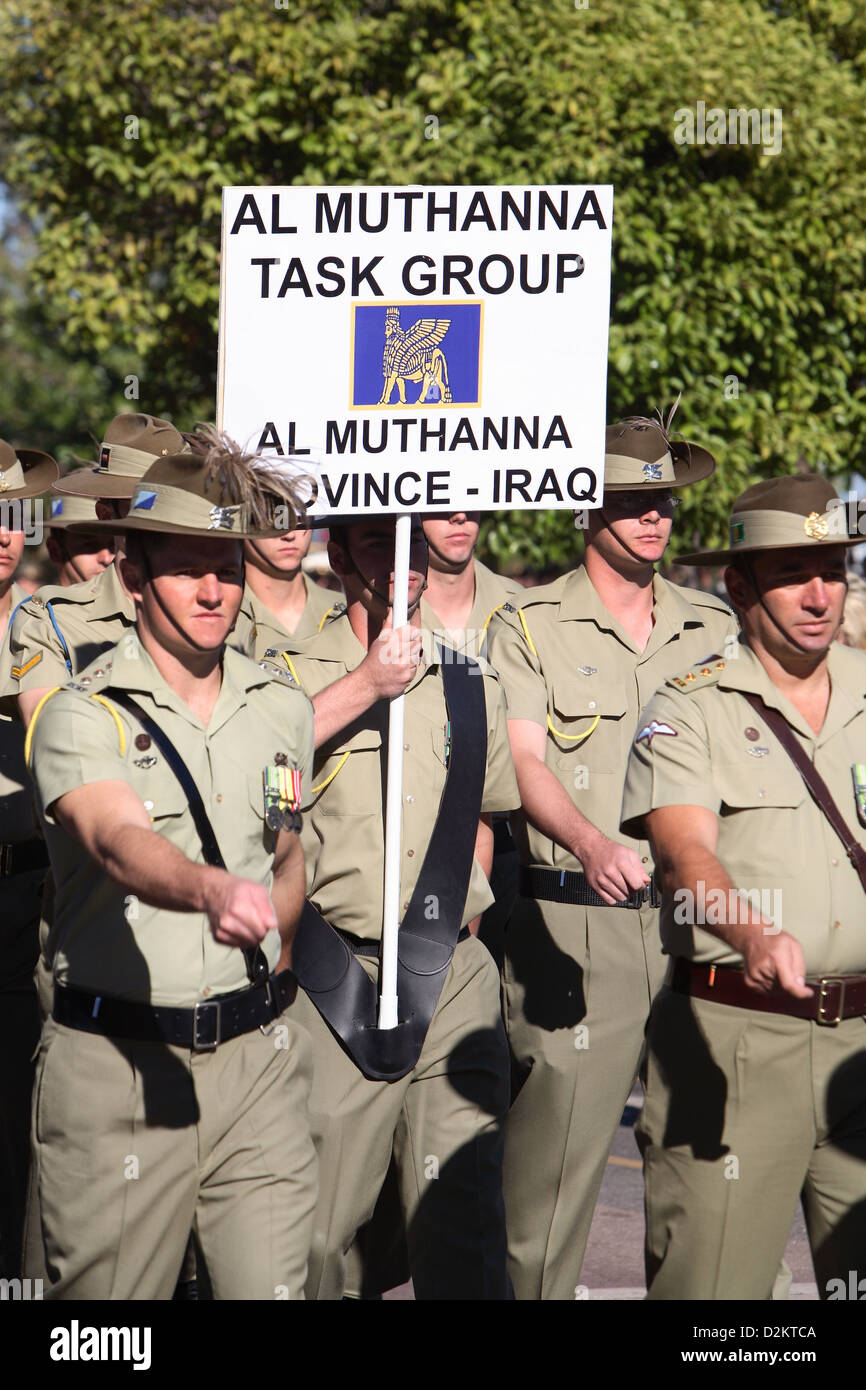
(326, 965)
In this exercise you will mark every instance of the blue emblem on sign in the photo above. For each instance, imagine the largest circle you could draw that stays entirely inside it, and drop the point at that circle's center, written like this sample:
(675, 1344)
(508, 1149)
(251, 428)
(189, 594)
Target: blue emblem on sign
(416, 355)
(144, 501)
(57, 506)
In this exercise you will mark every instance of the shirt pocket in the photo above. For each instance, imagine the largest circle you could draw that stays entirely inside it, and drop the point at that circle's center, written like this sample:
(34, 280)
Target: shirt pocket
(763, 829)
(586, 714)
(163, 796)
(349, 780)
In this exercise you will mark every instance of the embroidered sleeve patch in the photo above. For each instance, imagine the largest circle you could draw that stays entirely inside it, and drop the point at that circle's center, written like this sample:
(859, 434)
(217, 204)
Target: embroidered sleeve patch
(649, 731)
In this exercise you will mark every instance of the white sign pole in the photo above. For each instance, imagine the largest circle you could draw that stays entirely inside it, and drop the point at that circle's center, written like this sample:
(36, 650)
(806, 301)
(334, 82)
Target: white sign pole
(388, 1017)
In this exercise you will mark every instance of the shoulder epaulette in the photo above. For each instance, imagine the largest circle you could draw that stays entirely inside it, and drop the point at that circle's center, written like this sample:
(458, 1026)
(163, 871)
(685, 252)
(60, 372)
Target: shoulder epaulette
(703, 673)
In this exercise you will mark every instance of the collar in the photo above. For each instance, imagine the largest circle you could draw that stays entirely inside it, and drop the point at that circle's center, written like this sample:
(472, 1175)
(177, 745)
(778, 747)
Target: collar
(134, 670)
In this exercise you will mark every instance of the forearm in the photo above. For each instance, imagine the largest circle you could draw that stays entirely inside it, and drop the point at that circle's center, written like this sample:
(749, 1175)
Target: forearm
(146, 865)
(484, 855)
(692, 874)
(339, 704)
(549, 807)
(287, 895)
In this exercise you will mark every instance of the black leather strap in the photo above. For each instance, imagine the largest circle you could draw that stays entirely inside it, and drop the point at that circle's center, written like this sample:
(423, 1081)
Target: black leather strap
(257, 965)
(325, 965)
(568, 886)
(815, 784)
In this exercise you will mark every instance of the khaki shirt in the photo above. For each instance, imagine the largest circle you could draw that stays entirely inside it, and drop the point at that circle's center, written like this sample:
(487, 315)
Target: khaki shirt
(258, 631)
(103, 939)
(17, 813)
(587, 677)
(773, 839)
(91, 616)
(343, 834)
(491, 591)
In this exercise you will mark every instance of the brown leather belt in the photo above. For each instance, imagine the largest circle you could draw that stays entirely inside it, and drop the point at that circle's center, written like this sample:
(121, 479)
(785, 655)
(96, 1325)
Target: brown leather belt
(836, 996)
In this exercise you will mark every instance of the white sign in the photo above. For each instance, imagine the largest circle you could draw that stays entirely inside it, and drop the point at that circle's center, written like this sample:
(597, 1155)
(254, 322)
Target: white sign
(420, 349)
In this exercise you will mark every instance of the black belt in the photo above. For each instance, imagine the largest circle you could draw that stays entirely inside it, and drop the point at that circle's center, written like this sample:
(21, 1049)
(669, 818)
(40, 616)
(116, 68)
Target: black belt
(22, 858)
(567, 886)
(201, 1029)
(360, 946)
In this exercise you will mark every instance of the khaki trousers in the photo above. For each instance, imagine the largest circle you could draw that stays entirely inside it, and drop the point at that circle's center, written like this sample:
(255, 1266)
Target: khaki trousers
(135, 1144)
(744, 1112)
(443, 1123)
(578, 986)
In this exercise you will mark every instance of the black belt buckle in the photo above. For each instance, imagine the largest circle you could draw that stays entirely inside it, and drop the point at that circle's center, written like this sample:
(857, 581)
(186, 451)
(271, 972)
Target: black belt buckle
(5, 860)
(643, 897)
(201, 1027)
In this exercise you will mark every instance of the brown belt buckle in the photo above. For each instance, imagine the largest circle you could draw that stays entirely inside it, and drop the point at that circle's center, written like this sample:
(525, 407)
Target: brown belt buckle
(823, 991)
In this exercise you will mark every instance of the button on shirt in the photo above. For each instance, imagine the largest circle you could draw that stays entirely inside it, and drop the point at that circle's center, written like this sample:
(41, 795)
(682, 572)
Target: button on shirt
(588, 678)
(103, 939)
(774, 842)
(343, 835)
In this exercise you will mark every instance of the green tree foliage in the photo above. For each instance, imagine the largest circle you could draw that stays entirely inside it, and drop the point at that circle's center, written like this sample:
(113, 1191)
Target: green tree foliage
(738, 275)
(50, 398)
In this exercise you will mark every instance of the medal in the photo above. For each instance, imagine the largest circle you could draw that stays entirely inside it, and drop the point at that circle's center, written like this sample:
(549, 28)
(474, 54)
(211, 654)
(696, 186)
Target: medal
(858, 772)
(282, 789)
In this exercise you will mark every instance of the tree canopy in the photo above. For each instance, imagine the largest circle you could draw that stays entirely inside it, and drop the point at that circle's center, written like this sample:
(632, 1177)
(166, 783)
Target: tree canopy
(738, 273)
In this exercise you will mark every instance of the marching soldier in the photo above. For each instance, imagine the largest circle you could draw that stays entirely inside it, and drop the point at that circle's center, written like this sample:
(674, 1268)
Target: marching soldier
(462, 595)
(280, 601)
(168, 777)
(747, 776)
(61, 629)
(578, 658)
(24, 474)
(77, 555)
(444, 1068)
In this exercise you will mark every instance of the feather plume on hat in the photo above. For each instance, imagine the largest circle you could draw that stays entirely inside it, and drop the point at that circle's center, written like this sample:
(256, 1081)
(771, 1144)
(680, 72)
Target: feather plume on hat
(238, 477)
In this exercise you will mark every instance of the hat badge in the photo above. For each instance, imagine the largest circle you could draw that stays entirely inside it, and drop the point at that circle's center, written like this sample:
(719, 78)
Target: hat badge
(816, 526)
(652, 472)
(4, 486)
(104, 455)
(223, 518)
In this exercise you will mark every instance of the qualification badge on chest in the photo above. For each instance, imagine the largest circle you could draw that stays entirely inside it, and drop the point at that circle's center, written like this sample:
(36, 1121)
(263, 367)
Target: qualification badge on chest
(282, 795)
(858, 773)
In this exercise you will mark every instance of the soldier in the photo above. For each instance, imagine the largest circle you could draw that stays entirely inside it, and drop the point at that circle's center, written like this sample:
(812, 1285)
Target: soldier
(165, 1098)
(578, 659)
(447, 1076)
(24, 474)
(462, 594)
(77, 555)
(280, 602)
(747, 776)
(62, 629)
